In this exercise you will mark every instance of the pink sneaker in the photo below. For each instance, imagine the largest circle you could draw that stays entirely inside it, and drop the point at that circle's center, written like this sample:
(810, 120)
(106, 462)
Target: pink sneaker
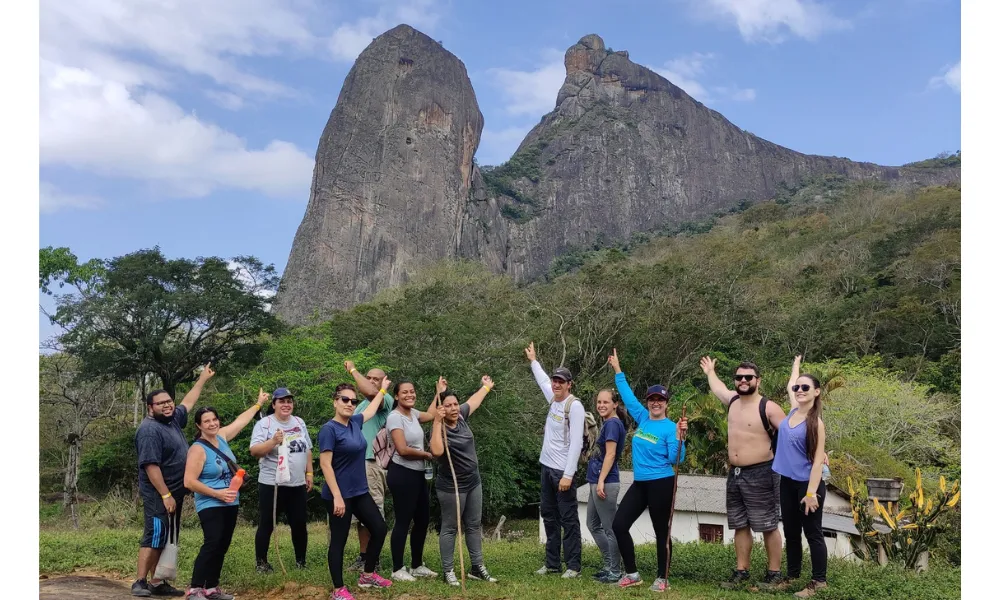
(367, 580)
(629, 580)
(341, 594)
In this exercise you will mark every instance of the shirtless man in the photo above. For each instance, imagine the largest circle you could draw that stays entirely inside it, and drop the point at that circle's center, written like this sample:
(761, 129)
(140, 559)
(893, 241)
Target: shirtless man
(751, 487)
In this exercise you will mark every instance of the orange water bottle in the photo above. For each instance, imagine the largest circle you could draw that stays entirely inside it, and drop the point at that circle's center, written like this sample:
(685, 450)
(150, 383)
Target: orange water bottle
(237, 481)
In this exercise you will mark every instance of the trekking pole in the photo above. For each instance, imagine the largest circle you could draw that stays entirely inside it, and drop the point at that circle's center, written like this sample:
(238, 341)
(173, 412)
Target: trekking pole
(274, 521)
(673, 498)
(458, 503)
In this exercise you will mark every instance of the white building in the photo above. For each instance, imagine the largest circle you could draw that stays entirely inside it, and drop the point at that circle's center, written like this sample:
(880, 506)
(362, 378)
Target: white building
(700, 515)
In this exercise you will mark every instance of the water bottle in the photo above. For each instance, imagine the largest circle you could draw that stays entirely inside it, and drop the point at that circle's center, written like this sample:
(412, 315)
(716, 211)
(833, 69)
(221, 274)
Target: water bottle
(428, 470)
(826, 472)
(237, 481)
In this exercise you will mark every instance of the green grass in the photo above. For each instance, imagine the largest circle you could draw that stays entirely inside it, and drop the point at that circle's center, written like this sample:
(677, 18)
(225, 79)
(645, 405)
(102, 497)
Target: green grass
(697, 569)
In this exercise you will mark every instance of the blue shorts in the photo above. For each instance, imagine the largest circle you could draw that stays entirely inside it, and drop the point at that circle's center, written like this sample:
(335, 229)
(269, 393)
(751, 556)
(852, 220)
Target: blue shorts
(155, 521)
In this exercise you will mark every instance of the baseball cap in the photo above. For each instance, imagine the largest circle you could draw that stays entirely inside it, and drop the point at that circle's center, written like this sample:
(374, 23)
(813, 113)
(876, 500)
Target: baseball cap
(657, 390)
(563, 373)
(281, 393)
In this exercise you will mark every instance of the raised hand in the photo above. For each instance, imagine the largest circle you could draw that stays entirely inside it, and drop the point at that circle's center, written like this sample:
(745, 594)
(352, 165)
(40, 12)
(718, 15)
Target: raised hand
(262, 397)
(206, 373)
(707, 365)
(349, 365)
(442, 384)
(487, 381)
(386, 383)
(530, 352)
(613, 361)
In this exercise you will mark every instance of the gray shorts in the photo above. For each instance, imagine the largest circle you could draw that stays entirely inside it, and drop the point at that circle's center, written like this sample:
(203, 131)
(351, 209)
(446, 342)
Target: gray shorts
(753, 497)
(376, 486)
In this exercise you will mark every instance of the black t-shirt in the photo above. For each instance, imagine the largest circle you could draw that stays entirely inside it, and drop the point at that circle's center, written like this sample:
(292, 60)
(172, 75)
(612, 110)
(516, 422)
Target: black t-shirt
(162, 444)
(462, 445)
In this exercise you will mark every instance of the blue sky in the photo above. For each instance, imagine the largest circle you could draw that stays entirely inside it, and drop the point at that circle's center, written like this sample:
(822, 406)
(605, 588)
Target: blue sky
(192, 125)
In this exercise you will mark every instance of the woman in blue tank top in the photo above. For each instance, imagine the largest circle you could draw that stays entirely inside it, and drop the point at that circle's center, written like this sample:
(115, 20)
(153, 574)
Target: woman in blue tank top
(208, 475)
(799, 461)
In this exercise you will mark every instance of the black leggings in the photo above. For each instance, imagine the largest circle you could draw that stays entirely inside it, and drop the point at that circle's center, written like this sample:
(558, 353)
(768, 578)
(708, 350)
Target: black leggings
(655, 495)
(367, 512)
(291, 502)
(796, 522)
(411, 503)
(218, 524)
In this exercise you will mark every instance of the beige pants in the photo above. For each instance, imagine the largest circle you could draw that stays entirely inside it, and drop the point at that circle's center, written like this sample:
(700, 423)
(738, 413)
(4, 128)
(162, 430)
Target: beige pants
(376, 486)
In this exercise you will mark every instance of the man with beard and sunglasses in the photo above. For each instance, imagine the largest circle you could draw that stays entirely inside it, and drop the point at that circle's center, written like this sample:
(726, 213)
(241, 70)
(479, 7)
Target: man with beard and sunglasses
(162, 451)
(368, 385)
(752, 487)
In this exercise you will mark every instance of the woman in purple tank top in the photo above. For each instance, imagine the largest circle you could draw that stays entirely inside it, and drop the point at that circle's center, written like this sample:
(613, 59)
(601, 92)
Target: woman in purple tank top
(799, 461)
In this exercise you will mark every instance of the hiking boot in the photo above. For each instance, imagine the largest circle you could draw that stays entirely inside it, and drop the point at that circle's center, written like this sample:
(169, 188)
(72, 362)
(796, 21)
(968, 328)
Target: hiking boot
(628, 580)
(264, 567)
(358, 564)
(141, 588)
(570, 574)
(774, 581)
(479, 572)
(610, 577)
(402, 575)
(196, 594)
(810, 590)
(369, 580)
(341, 594)
(165, 589)
(546, 571)
(422, 571)
(217, 594)
(451, 579)
(739, 578)
(660, 585)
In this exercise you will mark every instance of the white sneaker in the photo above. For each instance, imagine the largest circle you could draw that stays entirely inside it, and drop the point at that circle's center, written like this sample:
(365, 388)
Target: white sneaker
(451, 579)
(422, 571)
(570, 574)
(545, 571)
(403, 575)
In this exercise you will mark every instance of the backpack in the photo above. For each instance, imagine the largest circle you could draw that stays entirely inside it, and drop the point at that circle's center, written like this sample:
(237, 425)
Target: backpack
(590, 430)
(383, 448)
(771, 431)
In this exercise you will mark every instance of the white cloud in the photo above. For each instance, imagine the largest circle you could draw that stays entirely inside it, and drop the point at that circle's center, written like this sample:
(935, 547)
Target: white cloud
(52, 199)
(349, 39)
(226, 100)
(951, 76)
(686, 71)
(496, 146)
(773, 20)
(531, 92)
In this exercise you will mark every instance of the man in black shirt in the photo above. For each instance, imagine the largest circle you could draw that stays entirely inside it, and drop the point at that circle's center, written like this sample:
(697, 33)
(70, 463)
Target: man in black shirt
(162, 450)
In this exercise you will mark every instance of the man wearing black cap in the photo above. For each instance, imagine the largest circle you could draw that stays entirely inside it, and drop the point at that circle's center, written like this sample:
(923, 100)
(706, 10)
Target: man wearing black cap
(560, 456)
(162, 450)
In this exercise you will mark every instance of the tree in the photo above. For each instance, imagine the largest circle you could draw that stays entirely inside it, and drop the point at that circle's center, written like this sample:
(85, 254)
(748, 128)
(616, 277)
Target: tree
(143, 314)
(79, 402)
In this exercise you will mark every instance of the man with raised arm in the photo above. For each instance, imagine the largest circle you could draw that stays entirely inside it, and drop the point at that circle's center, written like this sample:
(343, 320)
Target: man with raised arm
(752, 487)
(368, 384)
(162, 450)
(560, 456)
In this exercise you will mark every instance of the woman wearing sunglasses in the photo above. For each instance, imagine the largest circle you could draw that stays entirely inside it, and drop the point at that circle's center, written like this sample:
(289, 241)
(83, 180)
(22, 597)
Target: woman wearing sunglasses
(799, 461)
(342, 449)
(278, 426)
(654, 451)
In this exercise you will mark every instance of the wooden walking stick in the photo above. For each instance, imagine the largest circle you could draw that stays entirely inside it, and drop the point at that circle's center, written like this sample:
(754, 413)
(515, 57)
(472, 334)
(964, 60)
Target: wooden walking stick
(673, 498)
(458, 503)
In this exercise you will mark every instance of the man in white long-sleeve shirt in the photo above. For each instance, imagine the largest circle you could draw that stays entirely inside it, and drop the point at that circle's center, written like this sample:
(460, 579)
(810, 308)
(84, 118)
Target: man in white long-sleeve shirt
(560, 456)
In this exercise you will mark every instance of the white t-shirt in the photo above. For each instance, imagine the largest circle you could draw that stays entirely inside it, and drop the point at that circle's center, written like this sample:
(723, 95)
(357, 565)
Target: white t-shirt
(299, 444)
(558, 451)
(413, 433)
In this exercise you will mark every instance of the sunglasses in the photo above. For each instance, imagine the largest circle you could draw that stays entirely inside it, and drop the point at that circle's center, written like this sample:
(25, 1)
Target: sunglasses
(353, 401)
(805, 387)
(745, 377)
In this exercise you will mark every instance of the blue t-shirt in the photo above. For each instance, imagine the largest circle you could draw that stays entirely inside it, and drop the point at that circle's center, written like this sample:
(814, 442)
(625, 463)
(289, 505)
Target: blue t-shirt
(162, 444)
(655, 444)
(347, 442)
(790, 457)
(215, 474)
(612, 430)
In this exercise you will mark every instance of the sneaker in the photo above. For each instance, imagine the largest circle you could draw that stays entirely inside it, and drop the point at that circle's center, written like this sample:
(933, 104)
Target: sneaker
(141, 588)
(451, 579)
(164, 589)
(601, 574)
(403, 575)
(300, 565)
(774, 581)
(479, 572)
(264, 567)
(570, 574)
(739, 578)
(546, 571)
(367, 580)
(628, 580)
(610, 577)
(358, 564)
(422, 571)
(196, 594)
(341, 594)
(217, 594)
(810, 590)
(660, 585)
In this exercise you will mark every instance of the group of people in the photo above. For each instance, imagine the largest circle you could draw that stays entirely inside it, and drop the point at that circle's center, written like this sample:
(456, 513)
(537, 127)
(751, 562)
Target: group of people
(375, 444)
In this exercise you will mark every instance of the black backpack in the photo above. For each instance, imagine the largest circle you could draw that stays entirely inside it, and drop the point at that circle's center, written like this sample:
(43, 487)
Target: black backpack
(771, 431)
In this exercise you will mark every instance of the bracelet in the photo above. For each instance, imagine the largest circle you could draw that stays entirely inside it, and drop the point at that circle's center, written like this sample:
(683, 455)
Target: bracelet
(383, 392)
(809, 495)
(352, 371)
(488, 388)
(165, 496)
(309, 472)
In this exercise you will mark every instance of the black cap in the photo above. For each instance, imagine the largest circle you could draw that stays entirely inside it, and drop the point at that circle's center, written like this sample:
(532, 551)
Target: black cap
(657, 390)
(562, 373)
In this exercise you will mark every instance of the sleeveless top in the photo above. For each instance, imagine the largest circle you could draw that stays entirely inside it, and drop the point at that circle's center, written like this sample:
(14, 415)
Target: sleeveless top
(790, 458)
(216, 475)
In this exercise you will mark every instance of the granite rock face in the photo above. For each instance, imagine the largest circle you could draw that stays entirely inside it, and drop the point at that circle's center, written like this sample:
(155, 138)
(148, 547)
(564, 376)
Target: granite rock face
(624, 151)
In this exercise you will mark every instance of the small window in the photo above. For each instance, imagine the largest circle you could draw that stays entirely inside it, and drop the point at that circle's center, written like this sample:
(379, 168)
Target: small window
(829, 534)
(711, 534)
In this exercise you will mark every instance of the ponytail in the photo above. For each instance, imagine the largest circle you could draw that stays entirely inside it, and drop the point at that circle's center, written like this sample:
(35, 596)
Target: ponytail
(812, 420)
